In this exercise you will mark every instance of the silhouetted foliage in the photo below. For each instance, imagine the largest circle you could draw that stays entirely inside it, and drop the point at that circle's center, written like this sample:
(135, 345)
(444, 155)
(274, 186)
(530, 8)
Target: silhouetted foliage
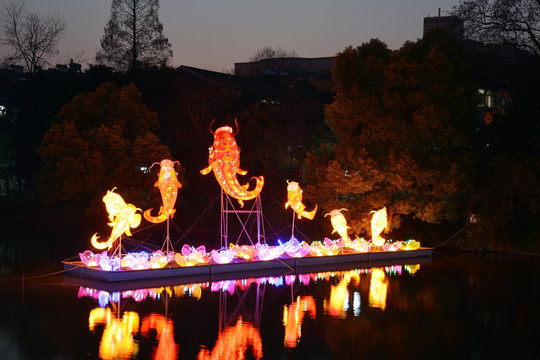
(402, 120)
(102, 139)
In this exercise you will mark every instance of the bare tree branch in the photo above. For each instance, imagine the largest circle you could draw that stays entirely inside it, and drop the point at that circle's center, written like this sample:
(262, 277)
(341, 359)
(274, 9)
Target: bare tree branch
(31, 37)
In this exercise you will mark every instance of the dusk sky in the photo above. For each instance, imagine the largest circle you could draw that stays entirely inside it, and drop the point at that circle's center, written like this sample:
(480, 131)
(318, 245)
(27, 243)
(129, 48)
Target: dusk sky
(214, 34)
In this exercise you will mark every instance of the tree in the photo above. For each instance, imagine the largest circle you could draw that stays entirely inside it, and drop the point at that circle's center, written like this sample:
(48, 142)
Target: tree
(134, 36)
(498, 21)
(31, 37)
(276, 60)
(402, 120)
(100, 140)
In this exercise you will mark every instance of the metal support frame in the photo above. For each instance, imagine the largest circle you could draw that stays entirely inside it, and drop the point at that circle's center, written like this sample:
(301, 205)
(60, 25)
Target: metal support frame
(244, 217)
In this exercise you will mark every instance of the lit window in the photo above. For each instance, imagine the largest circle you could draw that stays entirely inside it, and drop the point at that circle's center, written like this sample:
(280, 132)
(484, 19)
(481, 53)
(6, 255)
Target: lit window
(3, 111)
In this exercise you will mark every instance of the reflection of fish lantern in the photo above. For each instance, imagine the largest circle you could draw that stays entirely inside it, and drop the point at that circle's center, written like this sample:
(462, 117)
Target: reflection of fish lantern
(167, 348)
(339, 223)
(234, 342)
(378, 224)
(378, 288)
(294, 199)
(168, 186)
(117, 340)
(293, 316)
(122, 217)
(224, 159)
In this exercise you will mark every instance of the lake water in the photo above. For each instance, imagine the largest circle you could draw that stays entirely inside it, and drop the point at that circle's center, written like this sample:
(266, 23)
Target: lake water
(450, 306)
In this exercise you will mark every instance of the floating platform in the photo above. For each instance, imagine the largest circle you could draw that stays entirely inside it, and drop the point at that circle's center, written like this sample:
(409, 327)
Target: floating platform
(215, 271)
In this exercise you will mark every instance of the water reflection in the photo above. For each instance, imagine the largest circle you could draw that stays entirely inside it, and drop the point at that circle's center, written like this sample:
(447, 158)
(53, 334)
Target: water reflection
(238, 336)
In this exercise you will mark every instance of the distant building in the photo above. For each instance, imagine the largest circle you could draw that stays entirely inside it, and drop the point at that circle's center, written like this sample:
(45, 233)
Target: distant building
(451, 23)
(291, 70)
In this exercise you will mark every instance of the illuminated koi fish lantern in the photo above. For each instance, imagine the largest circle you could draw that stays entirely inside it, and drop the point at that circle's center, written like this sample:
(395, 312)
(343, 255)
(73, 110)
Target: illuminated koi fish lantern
(379, 222)
(224, 160)
(168, 186)
(339, 223)
(122, 216)
(294, 199)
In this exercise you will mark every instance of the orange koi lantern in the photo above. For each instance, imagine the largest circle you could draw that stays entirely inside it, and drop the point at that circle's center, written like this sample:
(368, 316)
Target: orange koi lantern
(168, 186)
(224, 160)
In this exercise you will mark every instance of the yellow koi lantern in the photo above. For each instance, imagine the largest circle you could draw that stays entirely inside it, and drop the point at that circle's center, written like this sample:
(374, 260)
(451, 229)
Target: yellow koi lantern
(294, 199)
(378, 224)
(224, 160)
(339, 223)
(122, 216)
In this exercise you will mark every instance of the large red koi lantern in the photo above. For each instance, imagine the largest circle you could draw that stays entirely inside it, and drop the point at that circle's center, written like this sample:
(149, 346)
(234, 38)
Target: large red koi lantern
(224, 160)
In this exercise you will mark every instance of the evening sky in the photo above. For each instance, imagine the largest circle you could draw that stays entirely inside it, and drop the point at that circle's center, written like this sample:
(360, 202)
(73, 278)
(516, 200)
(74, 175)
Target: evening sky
(214, 34)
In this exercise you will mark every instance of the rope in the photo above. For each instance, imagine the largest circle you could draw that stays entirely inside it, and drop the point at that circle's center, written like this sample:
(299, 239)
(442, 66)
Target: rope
(450, 238)
(36, 276)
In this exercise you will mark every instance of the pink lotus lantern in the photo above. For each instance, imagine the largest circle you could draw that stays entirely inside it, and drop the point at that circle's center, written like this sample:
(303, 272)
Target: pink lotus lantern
(224, 256)
(245, 252)
(265, 252)
(90, 259)
(295, 248)
(191, 256)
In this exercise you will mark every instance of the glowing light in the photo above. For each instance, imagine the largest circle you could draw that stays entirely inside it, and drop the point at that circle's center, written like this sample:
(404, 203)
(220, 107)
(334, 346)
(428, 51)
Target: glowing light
(136, 261)
(360, 245)
(339, 294)
(339, 223)
(295, 248)
(224, 160)
(245, 252)
(122, 216)
(294, 199)
(90, 259)
(117, 339)
(224, 256)
(378, 288)
(191, 256)
(167, 348)
(266, 252)
(168, 186)
(293, 316)
(109, 263)
(392, 246)
(410, 245)
(378, 224)
(234, 342)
